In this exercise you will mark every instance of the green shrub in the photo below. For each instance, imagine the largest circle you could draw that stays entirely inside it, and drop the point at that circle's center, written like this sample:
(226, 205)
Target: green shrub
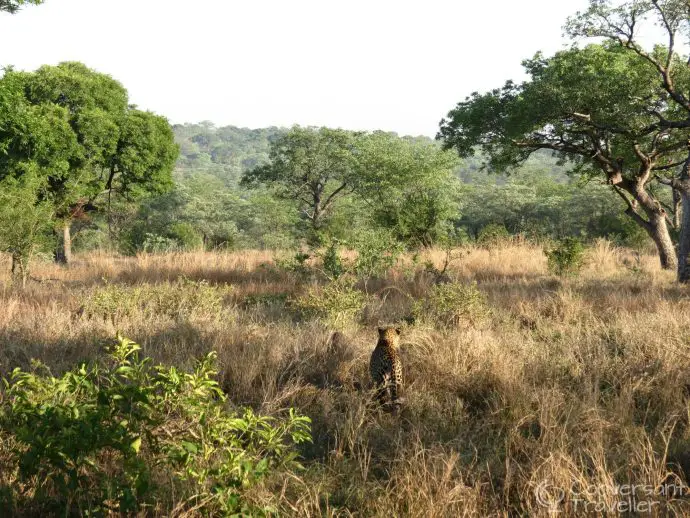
(333, 265)
(377, 252)
(118, 436)
(566, 257)
(450, 304)
(179, 300)
(296, 263)
(493, 234)
(156, 244)
(337, 303)
(186, 236)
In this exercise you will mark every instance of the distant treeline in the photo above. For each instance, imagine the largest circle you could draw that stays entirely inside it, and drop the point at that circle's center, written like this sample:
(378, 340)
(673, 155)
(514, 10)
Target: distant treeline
(209, 208)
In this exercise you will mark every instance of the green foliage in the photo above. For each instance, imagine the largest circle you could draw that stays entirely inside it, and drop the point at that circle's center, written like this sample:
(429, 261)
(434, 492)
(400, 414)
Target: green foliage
(569, 95)
(187, 236)
(332, 262)
(312, 166)
(338, 303)
(12, 6)
(493, 234)
(84, 139)
(408, 184)
(451, 304)
(624, 232)
(296, 263)
(106, 438)
(155, 244)
(377, 252)
(566, 257)
(223, 153)
(598, 108)
(25, 222)
(541, 201)
(179, 300)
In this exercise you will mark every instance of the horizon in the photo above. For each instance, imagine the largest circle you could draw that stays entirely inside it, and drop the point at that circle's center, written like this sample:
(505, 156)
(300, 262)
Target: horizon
(266, 64)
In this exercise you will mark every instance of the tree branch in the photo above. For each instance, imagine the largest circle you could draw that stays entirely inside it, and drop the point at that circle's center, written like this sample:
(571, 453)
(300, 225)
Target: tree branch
(332, 196)
(632, 209)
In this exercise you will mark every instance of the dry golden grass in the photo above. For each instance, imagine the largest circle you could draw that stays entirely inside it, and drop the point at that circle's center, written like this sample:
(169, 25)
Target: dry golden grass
(570, 384)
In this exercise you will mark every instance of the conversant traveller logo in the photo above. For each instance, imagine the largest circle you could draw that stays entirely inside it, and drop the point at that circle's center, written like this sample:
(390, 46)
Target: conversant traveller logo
(607, 499)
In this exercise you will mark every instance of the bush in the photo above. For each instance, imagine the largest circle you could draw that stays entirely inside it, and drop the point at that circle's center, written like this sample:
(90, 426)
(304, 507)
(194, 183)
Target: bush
(186, 236)
(493, 234)
(296, 263)
(332, 262)
(377, 252)
(566, 256)
(337, 302)
(115, 437)
(177, 300)
(156, 244)
(450, 304)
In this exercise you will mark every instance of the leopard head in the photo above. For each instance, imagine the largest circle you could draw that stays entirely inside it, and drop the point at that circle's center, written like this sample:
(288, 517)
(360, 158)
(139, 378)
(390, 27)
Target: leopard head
(390, 335)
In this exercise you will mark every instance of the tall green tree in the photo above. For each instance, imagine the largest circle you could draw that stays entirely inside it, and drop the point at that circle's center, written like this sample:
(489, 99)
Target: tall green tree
(36, 141)
(620, 24)
(115, 149)
(408, 184)
(598, 108)
(313, 167)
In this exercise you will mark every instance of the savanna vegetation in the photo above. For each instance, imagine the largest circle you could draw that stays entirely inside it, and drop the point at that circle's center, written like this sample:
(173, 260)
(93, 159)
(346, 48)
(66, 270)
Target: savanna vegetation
(187, 311)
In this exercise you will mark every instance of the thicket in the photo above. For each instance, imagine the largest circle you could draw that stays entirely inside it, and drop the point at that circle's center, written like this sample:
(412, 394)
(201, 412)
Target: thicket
(124, 436)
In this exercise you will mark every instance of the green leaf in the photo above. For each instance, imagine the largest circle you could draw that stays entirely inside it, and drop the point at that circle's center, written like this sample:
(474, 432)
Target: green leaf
(136, 444)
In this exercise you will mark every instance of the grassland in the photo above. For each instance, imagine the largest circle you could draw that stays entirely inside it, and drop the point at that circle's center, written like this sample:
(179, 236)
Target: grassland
(549, 390)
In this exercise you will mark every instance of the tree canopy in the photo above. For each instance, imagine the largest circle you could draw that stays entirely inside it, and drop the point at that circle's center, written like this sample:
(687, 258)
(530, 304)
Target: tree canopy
(621, 24)
(77, 127)
(314, 167)
(406, 183)
(409, 185)
(598, 108)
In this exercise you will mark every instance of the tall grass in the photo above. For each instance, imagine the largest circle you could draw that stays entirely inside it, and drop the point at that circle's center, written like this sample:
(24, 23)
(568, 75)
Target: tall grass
(564, 385)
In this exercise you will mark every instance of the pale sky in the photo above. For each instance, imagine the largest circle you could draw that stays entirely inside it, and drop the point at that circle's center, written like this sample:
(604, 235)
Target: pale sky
(357, 64)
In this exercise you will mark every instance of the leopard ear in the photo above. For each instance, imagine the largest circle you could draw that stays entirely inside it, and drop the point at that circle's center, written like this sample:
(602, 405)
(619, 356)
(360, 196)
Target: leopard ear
(382, 331)
(398, 330)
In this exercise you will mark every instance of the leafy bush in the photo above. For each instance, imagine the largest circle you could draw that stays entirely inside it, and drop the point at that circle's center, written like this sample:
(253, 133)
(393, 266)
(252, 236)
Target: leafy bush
(449, 304)
(296, 263)
(566, 256)
(493, 234)
(25, 221)
(186, 236)
(156, 244)
(116, 437)
(377, 252)
(332, 263)
(178, 300)
(338, 302)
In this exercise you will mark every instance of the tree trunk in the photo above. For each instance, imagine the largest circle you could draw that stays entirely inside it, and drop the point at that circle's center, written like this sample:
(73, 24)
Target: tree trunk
(682, 186)
(655, 225)
(658, 231)
(63, 252)
(684, 238)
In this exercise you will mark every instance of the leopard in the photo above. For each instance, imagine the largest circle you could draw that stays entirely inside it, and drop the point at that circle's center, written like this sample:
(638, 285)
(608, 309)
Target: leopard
(386, 368)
